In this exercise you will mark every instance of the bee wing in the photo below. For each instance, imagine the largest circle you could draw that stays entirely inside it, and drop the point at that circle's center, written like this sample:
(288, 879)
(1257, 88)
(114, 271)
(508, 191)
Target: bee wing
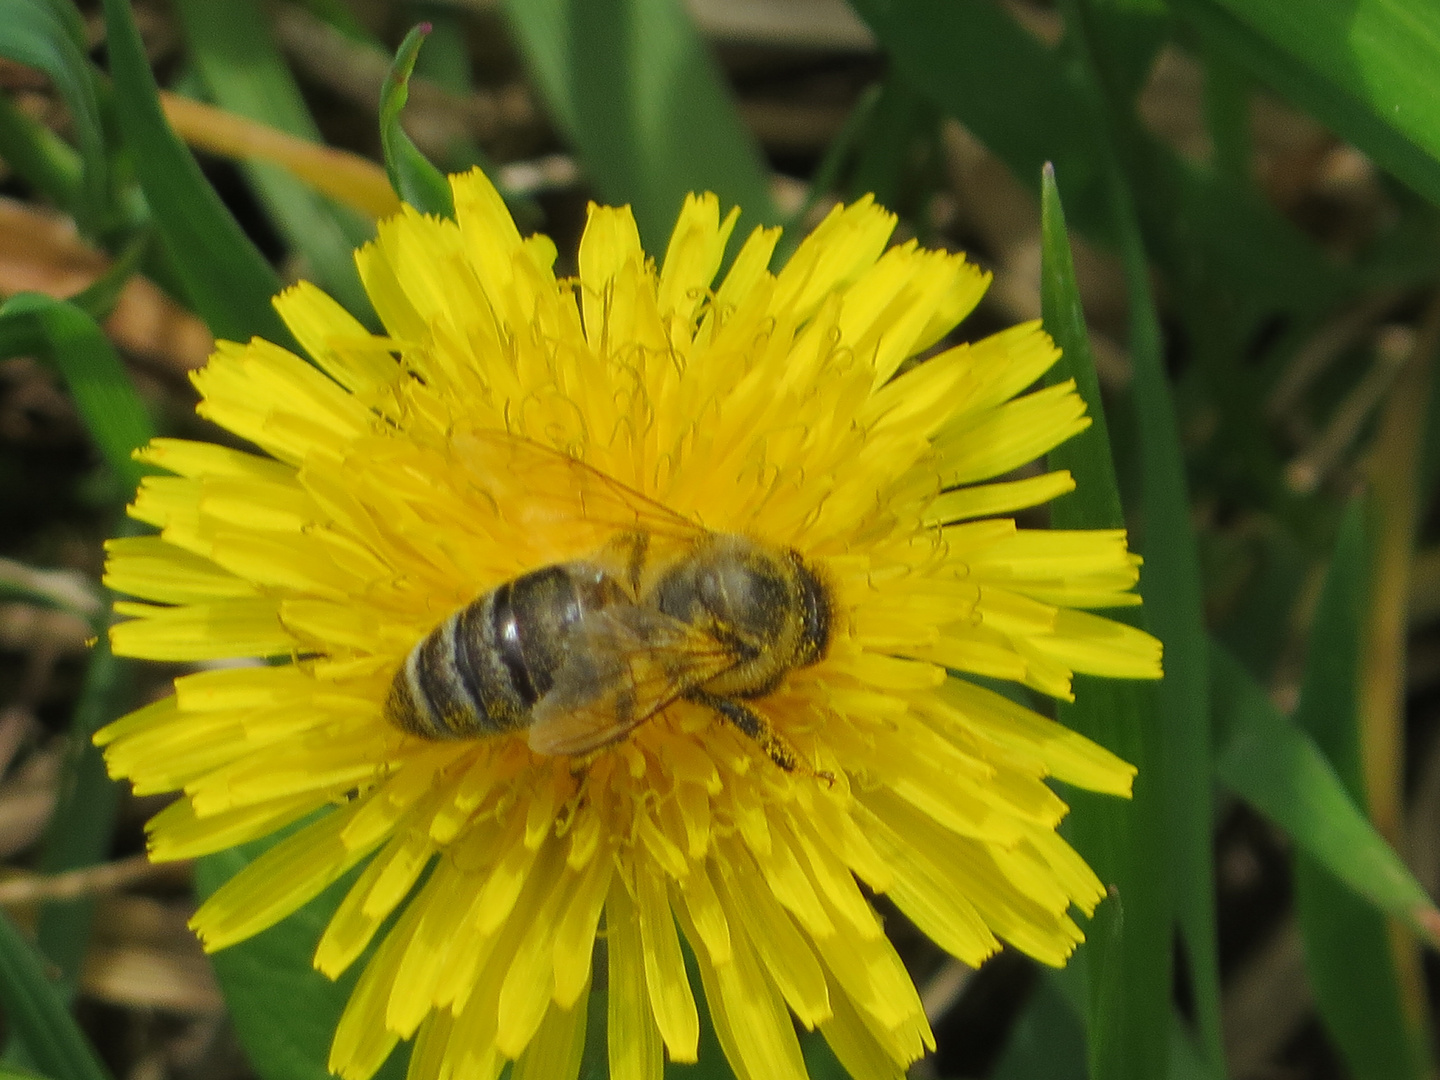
(519, 472)
(625, 665)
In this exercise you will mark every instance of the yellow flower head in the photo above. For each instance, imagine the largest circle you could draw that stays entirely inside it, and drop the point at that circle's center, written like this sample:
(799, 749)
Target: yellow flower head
(511, 421)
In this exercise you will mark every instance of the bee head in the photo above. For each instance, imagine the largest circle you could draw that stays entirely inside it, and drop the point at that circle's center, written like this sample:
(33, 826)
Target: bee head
(752, 598)
(815, 606)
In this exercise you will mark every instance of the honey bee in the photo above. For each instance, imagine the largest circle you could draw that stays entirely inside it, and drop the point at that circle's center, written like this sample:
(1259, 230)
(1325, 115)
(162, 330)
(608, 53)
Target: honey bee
(578, 654)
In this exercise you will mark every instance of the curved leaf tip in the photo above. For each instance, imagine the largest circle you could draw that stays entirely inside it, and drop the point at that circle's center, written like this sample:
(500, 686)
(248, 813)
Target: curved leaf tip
(413, 177)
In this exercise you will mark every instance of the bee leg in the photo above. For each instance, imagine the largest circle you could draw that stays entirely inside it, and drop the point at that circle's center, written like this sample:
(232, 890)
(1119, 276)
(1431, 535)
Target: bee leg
(757, 728)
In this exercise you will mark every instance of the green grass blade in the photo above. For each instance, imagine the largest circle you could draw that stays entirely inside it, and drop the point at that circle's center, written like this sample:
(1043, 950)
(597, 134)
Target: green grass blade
(98, 299)
(1186, 1061)
(244, 73)
(35, 1012)
(412, 176)
(44, 160)
(79, 832)
(227, 281)
(1227, 113)
(284, 1010)
(41, 36)
(1349, 957)
(633, 88)
(891, 147)
(70, 19)
(1001, 83)
(339, 15)
(1024, 102)
(1347, 944)
(1134, 32)
(1276, 767)
(1096, 502)
(445, 61)
(1170, 578)
(1365, 68)
(1048, 1039)
(75, 345)
(1128, 952)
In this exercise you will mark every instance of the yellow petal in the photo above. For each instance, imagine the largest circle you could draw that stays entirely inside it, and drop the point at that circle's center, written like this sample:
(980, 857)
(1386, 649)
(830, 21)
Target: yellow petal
(280, 881)
(696, 247)
(665, 978)
(211, 631)
(750, 1019)
(635, 1048)
(558, 1047)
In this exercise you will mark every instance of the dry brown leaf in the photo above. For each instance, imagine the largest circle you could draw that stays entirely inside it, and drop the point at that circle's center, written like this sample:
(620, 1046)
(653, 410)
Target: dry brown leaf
(41, 252)
(25, 626)
(146, 978)
(349, 178)
(144, 956)
(27, 799)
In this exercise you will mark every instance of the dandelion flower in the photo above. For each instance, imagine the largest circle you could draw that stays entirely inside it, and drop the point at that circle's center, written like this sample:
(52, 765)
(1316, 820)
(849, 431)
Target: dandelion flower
(780, 406)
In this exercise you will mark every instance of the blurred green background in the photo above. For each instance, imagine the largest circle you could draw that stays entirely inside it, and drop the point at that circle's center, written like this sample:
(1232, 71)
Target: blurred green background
(1248, 293)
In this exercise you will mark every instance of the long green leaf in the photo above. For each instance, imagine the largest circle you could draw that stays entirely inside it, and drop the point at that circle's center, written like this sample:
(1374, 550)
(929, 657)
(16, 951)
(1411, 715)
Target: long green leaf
(1047, 1040)
(244, 72)
(1227, 113)
(412, 176)
(98, 299)
(1350, 960)
(1365, 68)
(634, 89)
(73, 343)
(284, 1010)
(900, 123)
(227, 281)
(1271, 763)
(37, 34)
(1023, 100)
(1170, 577)
(1347, 942)
(445, 61)
(1128, 952)
(79, 832)
(339, 15)
(36, 1013)
(1002, 83)
(44, 160)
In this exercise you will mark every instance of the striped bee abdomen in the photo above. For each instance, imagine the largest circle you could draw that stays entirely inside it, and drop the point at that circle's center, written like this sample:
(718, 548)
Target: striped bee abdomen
(481, 671)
